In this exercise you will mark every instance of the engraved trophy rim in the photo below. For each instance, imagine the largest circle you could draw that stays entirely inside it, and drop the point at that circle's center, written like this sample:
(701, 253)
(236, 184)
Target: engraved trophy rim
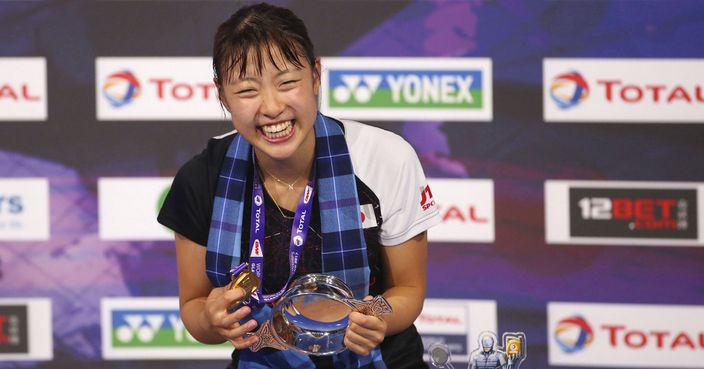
(319, 339)
(289, 328)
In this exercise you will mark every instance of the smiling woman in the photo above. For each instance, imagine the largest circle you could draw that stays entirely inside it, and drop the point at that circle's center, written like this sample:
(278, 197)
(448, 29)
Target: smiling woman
(274, 106)
(247, 198)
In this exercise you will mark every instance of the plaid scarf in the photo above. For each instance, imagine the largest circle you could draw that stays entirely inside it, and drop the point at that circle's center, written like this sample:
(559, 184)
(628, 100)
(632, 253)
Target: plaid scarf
(344, 251)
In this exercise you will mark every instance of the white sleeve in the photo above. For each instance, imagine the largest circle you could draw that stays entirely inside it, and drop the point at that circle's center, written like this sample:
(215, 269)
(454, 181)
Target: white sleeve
(389, 166)
(409, 208)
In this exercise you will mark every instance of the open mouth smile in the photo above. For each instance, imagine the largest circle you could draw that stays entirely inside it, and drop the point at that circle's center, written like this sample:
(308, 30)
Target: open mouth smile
(277, 131)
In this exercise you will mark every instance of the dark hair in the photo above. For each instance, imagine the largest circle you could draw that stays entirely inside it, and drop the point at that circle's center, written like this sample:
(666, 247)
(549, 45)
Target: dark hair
(259, 29)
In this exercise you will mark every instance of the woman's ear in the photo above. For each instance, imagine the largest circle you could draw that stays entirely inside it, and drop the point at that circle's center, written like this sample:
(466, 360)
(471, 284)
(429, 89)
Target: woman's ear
(316, 76)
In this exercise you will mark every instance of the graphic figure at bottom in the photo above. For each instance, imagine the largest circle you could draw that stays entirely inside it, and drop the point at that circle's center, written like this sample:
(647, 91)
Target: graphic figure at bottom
(488, 356)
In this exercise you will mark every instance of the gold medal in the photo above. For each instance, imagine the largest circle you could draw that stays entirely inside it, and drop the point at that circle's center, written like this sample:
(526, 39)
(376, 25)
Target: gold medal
(247, 281)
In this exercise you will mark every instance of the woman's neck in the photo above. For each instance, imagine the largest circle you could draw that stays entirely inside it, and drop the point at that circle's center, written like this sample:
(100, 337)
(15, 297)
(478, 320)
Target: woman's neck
(297, 166)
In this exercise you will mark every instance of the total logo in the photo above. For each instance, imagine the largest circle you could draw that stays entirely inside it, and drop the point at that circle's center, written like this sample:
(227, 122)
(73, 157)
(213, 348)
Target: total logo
(466, 208)
(568, 90)
(17, 93)
(23, 89)
(120, 88)
(402, 88)
(634, 338)
(666, 336)
(573, 334)
(622, 90)
(618, 90)
(461, 214)
(156, 89)
(440, 319)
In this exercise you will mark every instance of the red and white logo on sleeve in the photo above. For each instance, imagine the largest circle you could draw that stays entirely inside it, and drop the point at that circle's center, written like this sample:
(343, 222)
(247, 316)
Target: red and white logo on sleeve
(368, 217)
(426, 198)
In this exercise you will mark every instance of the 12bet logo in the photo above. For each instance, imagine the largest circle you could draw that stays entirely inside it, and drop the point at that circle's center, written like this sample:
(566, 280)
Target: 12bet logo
(13, 329)
(626, 212)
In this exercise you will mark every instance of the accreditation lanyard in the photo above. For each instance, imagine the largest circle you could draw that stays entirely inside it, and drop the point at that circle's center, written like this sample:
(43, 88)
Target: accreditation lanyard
(299, 233)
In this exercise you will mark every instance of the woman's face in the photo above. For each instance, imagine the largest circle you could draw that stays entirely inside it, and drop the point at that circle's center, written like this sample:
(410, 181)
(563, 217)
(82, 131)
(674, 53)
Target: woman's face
(275, 110)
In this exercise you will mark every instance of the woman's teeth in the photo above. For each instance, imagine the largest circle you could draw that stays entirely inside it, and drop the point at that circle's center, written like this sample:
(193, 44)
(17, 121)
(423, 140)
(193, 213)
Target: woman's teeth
(278, 130)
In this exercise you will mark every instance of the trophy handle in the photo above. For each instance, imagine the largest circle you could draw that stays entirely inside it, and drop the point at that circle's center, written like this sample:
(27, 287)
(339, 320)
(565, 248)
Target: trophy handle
(377, 306)
(267, 338)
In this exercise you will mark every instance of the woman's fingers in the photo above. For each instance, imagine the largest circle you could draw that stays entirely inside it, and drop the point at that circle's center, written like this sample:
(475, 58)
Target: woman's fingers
(364, 333)
(363, 336)
(242, 343)
(231, 295)
(231, 319)
(358, 344)
(368, 326)
(237, 331)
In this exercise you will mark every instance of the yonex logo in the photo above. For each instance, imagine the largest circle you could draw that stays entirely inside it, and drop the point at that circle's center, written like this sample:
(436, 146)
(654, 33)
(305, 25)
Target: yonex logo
(357, 87)
(137, 329)
(159, 328)
(405, 89)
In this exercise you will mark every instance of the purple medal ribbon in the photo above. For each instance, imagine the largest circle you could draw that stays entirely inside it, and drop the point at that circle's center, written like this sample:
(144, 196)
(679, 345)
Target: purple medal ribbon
(299, 233)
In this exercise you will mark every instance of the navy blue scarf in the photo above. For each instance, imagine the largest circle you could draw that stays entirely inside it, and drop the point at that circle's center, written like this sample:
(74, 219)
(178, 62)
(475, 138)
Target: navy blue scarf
(344, 251)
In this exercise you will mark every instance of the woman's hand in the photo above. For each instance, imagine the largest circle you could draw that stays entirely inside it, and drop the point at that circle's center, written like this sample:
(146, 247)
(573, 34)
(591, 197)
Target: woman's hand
(227, 324)
(364, 332)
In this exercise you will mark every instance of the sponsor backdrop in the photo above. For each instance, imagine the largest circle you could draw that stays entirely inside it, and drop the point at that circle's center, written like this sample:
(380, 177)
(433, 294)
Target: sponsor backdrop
(563, 142)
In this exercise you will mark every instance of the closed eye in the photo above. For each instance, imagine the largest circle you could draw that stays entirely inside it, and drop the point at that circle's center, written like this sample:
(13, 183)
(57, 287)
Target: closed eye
(246, 92)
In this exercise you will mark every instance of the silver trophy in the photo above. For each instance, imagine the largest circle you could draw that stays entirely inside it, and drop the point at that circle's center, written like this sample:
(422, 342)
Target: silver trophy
(312, 316)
